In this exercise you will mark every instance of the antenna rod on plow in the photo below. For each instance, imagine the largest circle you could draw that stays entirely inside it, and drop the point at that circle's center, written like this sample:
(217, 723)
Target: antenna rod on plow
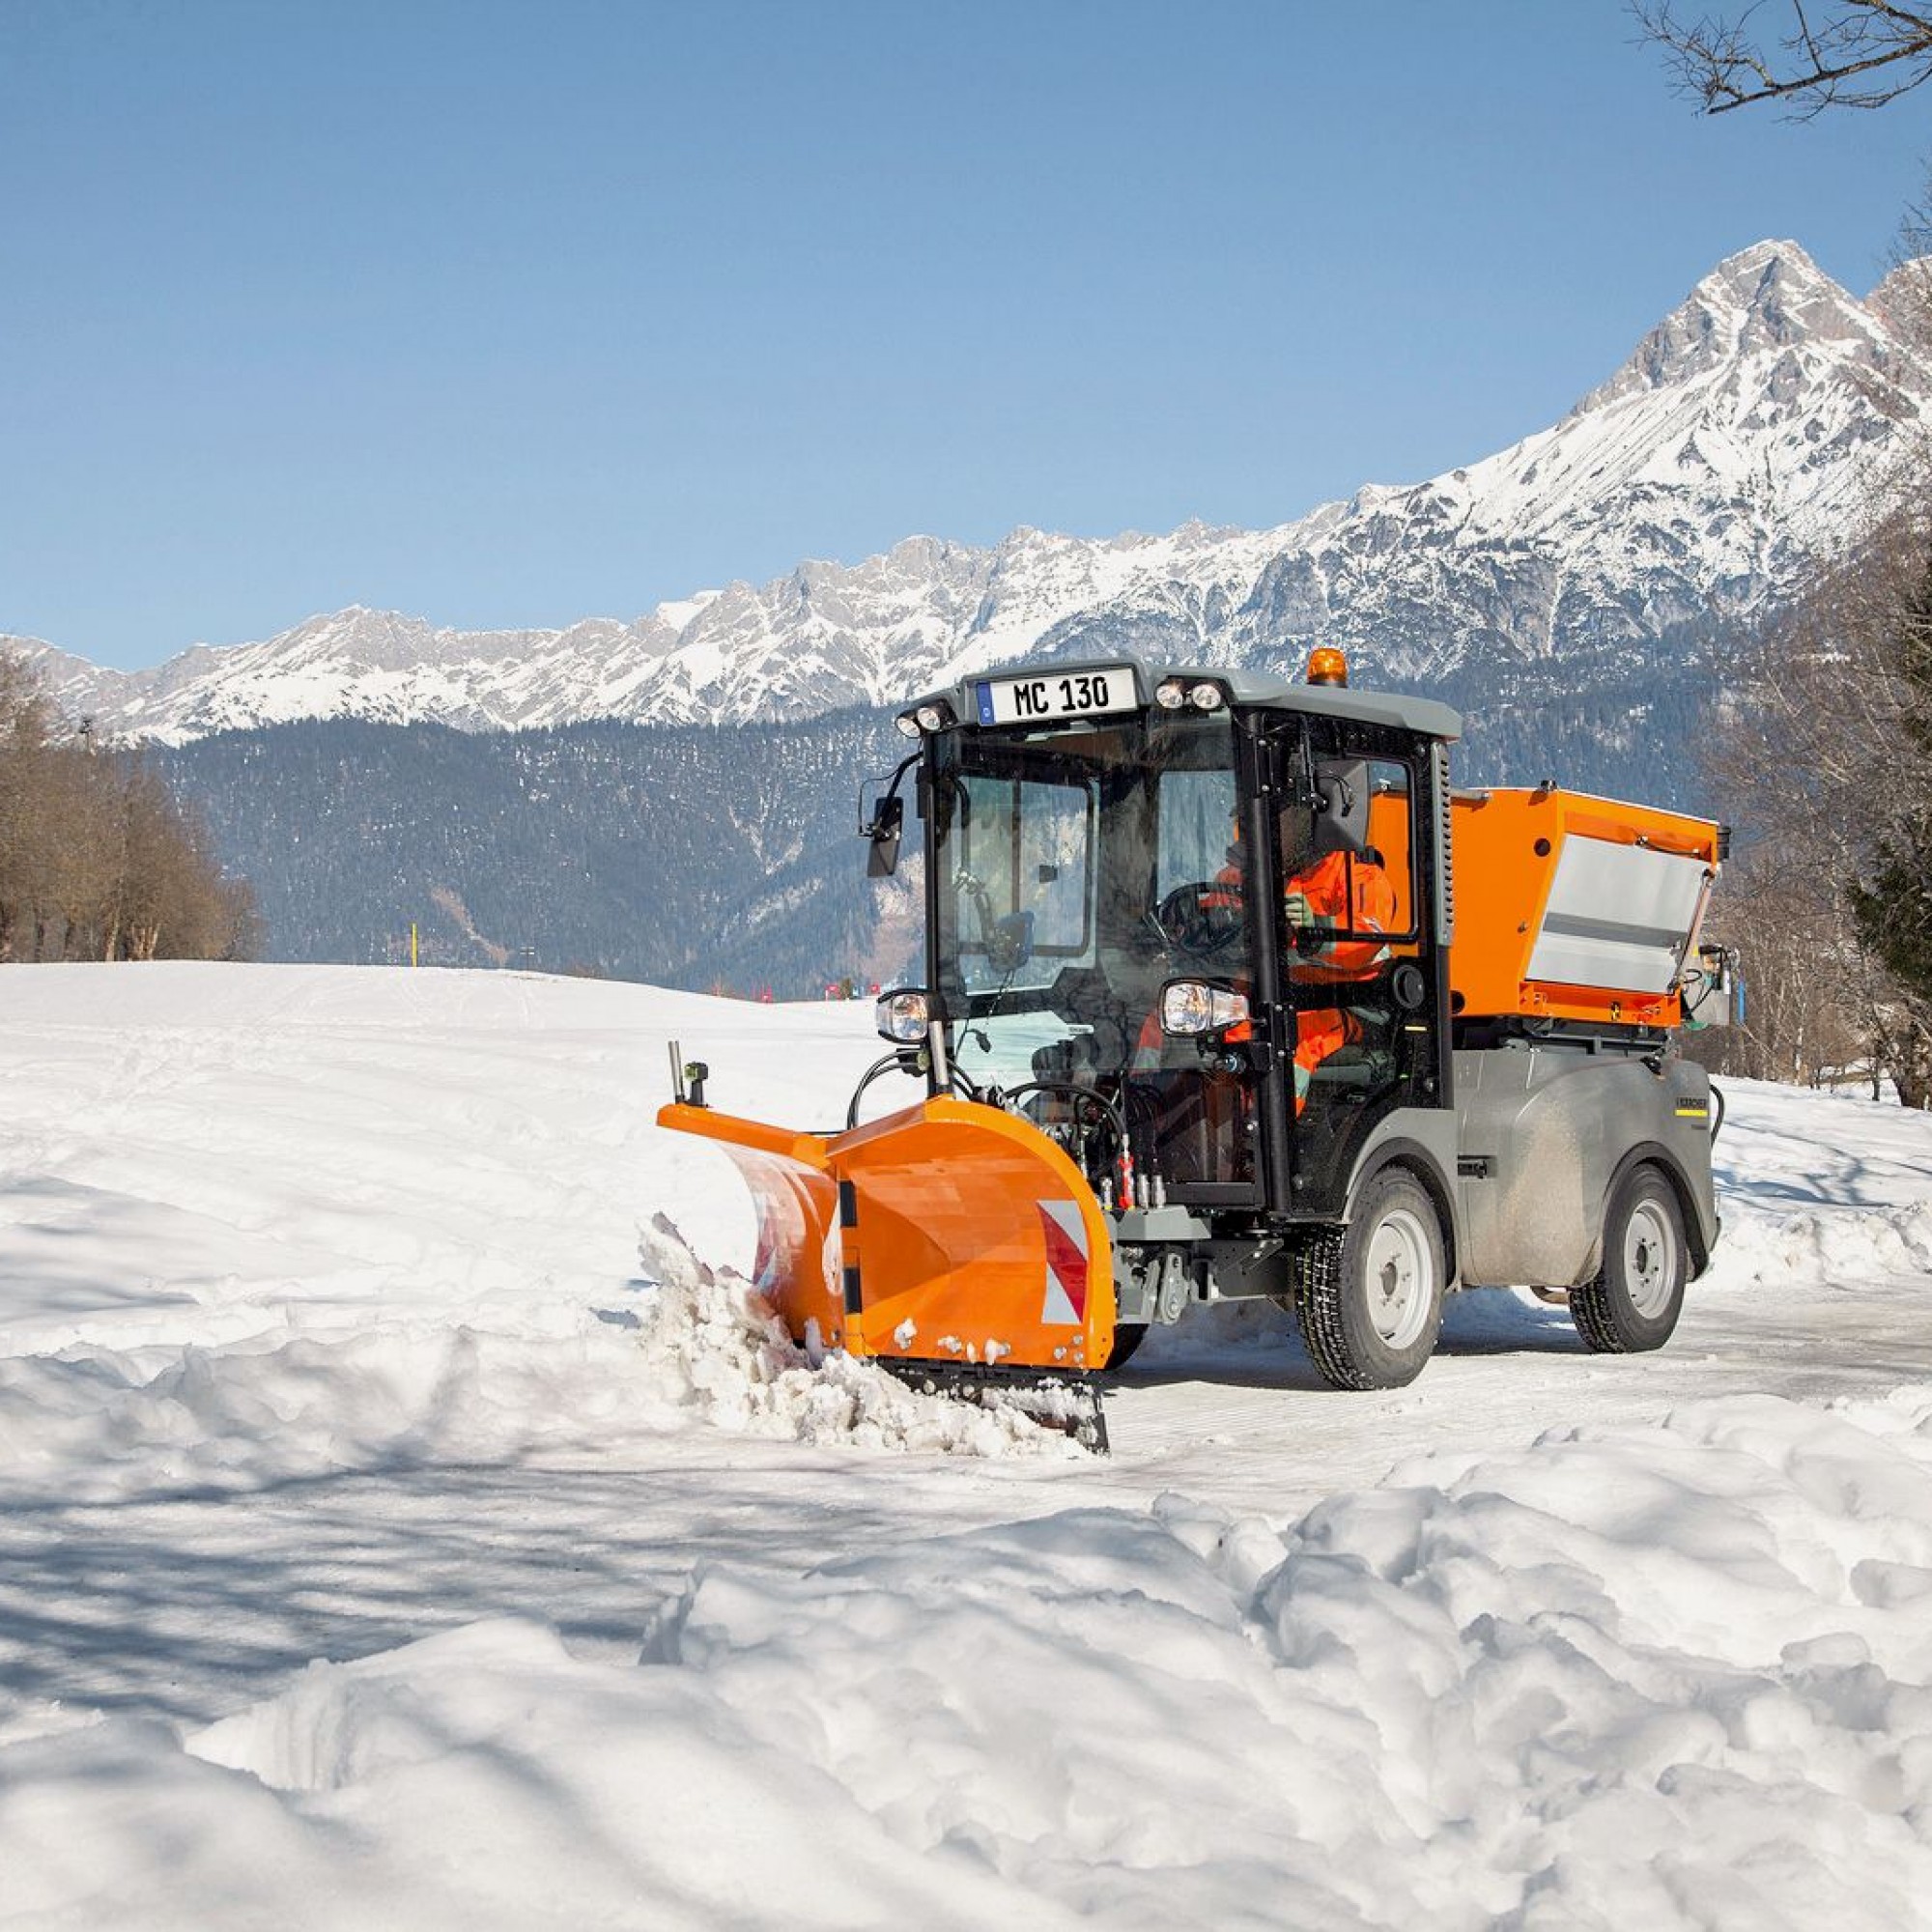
(676, 1074)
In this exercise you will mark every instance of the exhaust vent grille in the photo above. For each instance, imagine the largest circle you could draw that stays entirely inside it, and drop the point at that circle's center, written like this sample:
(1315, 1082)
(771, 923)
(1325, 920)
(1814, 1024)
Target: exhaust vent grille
(1446, 871)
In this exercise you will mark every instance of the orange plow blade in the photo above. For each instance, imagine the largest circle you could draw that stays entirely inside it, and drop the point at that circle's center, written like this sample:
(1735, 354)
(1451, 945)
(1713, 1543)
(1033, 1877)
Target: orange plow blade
(951, 1236)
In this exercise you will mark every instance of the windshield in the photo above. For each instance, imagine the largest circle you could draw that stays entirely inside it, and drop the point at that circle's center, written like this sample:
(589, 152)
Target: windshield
(1077, 869)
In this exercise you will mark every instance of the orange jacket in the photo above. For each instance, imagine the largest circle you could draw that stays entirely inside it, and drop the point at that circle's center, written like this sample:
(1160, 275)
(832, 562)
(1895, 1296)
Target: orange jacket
(1325, 885)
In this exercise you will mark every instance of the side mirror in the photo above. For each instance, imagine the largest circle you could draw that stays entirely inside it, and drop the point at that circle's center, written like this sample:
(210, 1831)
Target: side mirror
(883, 828)
(1342, 806)
(883, 824)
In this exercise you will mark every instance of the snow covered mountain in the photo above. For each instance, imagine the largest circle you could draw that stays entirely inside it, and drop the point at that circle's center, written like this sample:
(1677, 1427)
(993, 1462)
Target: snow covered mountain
(1682, 494)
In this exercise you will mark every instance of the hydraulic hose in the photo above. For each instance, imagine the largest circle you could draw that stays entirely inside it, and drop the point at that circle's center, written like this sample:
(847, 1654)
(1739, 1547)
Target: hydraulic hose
(1079, 1094)
(1717, 1117)
(870, 1074)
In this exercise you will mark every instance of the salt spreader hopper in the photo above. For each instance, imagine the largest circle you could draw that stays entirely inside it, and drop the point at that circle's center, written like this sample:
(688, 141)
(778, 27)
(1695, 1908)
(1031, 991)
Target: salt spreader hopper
(1228, 994)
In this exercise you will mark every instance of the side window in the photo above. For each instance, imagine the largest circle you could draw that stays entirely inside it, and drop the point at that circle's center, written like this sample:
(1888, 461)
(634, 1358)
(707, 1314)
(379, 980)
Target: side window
(1391, 836)
(984, 842)
(1025, 858)
(1347, 859)
(1056, 850)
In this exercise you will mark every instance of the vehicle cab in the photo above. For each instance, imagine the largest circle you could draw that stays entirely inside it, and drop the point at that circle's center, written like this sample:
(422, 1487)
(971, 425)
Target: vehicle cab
(1194, 922)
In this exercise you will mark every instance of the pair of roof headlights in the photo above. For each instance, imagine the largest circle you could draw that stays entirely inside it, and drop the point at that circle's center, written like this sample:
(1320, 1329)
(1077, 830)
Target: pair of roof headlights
(924, 719)
(1175, 694)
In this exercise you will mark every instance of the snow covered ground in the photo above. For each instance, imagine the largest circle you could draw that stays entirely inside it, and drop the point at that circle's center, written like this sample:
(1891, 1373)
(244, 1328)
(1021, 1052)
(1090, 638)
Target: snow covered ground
(397, 1528)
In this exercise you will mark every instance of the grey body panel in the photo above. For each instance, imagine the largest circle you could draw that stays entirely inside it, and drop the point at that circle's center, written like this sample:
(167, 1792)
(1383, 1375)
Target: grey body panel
(1551, 1129)
(1426, 1139)
(1522, 1167)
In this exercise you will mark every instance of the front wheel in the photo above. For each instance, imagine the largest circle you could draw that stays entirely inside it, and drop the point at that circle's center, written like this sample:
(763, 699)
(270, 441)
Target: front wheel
(1369, 1300)
(1634, 1303)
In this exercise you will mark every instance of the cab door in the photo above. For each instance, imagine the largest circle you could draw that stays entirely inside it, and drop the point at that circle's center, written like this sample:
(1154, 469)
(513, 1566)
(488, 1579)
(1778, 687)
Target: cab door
(1361, 1028)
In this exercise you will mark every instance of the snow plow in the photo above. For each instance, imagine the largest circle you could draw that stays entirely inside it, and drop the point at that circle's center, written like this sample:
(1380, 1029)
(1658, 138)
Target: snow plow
(1230, 994)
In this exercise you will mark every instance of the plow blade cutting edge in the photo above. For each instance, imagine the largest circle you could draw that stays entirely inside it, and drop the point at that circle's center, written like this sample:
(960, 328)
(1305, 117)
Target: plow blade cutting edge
(952, 1242)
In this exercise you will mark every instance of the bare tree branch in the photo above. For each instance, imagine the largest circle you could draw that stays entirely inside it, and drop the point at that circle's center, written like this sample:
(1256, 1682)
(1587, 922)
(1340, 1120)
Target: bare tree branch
(1822, 759)
(1823, 61)
(96, 860)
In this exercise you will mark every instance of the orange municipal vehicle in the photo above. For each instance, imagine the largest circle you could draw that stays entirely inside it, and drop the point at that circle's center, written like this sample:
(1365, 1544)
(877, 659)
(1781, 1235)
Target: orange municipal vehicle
(1158, 1067)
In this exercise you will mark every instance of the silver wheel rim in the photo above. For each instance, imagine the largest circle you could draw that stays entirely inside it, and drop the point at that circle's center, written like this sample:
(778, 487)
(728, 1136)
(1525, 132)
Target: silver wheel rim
(1397, 1270)
(1649, 1259)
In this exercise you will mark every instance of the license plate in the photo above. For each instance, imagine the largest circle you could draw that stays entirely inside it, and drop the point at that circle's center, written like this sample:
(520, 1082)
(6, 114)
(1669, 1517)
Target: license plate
(1074, 694)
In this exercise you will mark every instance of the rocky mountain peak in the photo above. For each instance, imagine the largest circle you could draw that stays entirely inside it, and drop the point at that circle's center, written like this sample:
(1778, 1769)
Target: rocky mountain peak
(1761, 301)
(1743, 432)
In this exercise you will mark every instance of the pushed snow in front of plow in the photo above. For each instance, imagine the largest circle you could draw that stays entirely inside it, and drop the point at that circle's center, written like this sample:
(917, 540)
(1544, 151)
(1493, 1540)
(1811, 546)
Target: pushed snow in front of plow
(715, 1343)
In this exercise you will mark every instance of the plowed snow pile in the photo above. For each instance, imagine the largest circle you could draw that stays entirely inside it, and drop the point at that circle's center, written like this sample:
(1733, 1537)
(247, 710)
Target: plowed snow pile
(510, 1380)
(388, 1539)
(710, 1340)
(1851, 1243)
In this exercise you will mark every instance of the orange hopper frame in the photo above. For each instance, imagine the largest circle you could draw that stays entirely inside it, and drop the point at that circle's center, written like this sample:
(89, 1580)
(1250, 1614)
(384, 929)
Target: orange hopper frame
(1547, 878)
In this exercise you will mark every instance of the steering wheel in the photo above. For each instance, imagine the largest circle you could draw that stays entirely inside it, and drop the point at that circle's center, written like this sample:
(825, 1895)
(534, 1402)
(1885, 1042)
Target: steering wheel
(1203, 917)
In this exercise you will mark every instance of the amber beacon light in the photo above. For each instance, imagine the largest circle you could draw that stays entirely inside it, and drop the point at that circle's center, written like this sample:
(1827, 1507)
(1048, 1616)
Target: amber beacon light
(1327, 665)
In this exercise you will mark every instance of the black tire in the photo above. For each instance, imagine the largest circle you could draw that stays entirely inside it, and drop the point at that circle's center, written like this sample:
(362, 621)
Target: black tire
(1634, 1303)
(1369, 1299)
(1127, 1337)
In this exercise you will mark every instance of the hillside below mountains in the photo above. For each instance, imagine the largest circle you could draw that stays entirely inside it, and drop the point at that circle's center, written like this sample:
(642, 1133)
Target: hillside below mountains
(1678, 499)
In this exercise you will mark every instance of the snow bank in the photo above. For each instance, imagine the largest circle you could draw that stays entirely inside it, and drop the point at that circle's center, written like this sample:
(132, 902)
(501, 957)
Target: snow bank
(1632, 1676)
(1818, 1186)
(93, 1425)
(1663, 1675)
(516, 1379)
(1826, 1243)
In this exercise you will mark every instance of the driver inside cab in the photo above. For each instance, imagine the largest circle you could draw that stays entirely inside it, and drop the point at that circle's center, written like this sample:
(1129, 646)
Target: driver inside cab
(1330, 893)
(1323, 893)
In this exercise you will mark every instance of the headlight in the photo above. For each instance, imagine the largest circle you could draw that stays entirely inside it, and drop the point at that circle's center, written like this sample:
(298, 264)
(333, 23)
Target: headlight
(1194, 1007)
(907, 723)
(903, 1019)
(933, 716)
(1170, 696)
(1206, 696)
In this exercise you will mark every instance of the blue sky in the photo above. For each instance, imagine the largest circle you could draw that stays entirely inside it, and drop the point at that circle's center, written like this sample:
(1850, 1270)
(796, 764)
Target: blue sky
(513, 314)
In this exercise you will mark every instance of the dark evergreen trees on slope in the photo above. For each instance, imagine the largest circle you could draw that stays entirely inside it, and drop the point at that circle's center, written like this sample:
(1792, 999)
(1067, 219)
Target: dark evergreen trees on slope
(713, 857)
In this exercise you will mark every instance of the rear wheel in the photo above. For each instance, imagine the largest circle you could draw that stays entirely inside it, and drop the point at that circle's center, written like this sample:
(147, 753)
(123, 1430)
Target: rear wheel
(1127, 1337)
(1369, 1300)
(1634, 1303)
